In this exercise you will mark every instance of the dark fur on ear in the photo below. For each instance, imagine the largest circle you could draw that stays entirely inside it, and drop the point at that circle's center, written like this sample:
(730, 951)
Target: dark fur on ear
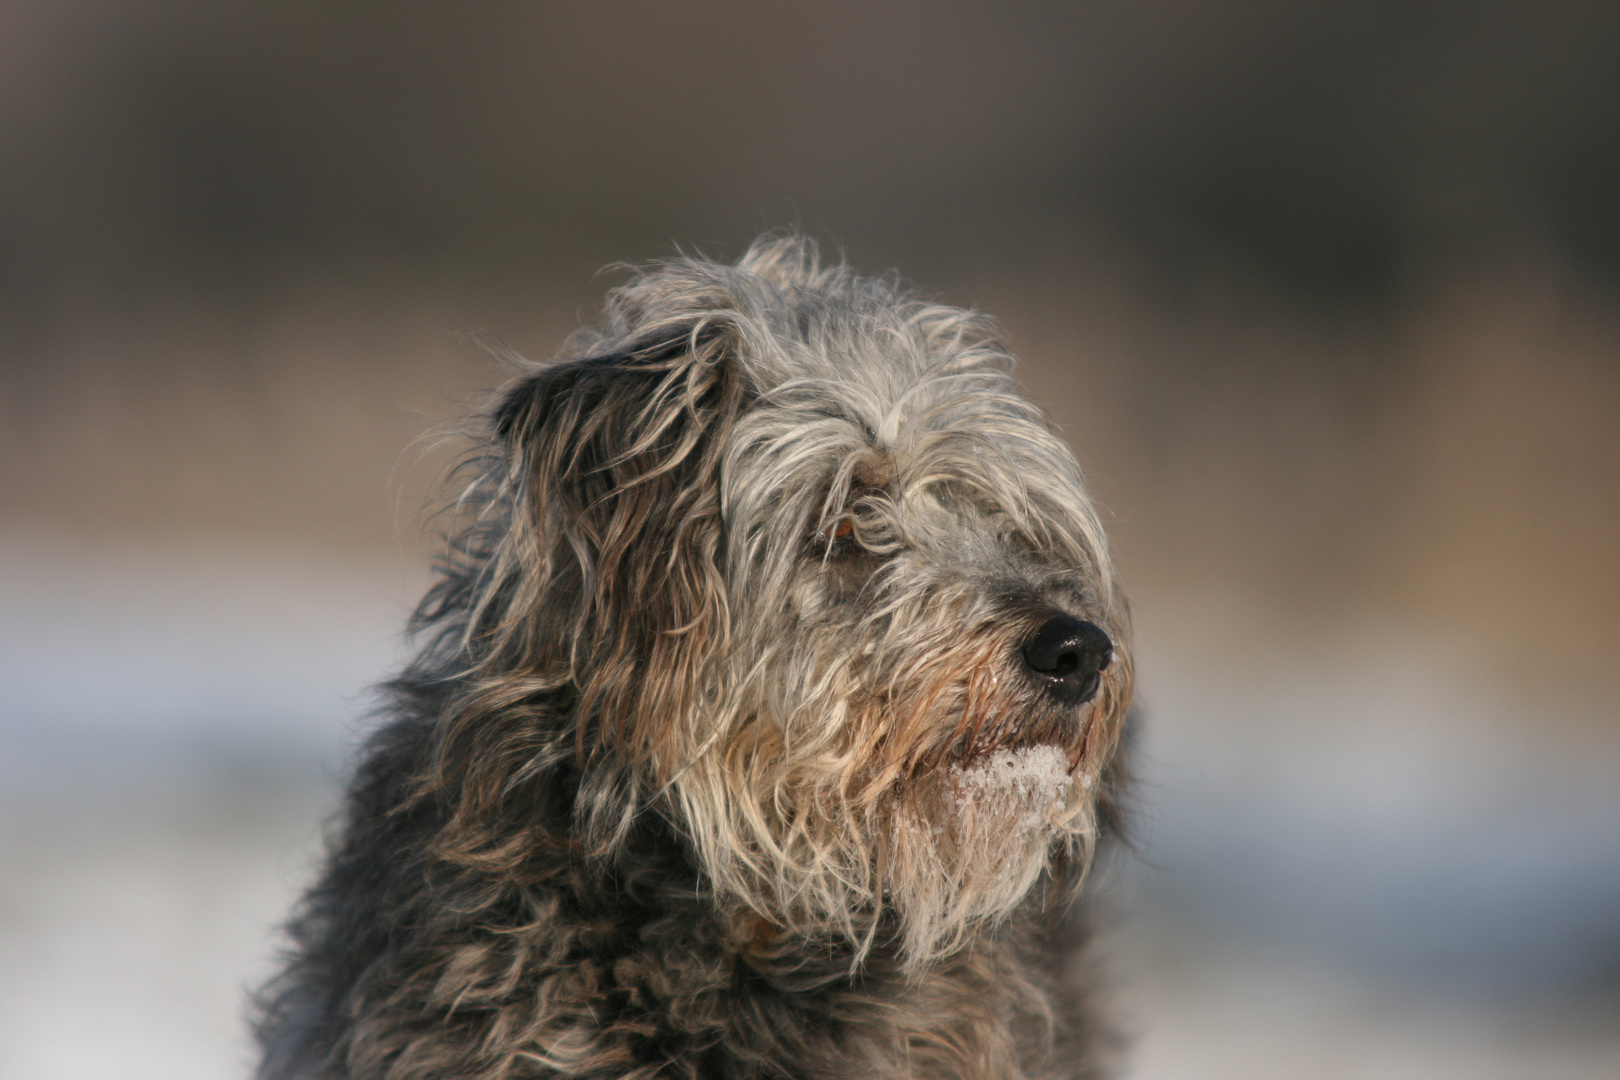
(603, 590)
(566, 640)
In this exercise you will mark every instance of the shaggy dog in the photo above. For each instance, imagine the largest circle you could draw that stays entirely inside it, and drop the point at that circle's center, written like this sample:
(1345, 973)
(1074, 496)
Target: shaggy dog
(764, 721)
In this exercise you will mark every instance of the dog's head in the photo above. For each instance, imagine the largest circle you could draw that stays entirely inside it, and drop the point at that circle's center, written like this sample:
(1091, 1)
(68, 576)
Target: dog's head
(813, 575)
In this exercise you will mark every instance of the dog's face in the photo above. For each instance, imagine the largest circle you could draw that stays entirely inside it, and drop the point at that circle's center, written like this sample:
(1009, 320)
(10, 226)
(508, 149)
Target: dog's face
(824, 580)
(928, 656)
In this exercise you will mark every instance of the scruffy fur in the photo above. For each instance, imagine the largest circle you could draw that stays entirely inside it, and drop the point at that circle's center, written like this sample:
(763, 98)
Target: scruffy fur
(720, 757)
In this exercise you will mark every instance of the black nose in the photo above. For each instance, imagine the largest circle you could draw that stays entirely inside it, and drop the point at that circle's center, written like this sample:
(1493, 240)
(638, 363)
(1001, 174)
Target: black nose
(1068, 656)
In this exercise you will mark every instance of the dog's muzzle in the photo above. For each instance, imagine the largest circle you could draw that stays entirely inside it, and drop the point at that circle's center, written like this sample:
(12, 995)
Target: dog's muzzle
(1067, 657)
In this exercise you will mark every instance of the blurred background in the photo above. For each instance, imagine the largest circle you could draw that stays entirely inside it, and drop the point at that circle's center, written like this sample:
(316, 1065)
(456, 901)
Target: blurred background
(1326, 296)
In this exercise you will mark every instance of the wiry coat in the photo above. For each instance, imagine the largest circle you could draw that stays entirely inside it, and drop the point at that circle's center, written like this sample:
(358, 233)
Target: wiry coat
(719, 758)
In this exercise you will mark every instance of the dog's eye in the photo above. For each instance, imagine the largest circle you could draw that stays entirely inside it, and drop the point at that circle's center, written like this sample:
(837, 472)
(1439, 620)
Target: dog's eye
(842, 529)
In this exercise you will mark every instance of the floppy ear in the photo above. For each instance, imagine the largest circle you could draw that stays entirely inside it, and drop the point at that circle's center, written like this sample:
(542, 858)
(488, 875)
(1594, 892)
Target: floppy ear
(614, 471)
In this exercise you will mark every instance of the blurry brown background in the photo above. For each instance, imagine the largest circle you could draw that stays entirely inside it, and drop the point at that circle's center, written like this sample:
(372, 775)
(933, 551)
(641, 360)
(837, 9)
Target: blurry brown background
(1326, 296)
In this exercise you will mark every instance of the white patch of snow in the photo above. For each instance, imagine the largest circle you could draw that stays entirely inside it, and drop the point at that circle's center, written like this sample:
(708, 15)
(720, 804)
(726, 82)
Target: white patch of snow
(1033, 778)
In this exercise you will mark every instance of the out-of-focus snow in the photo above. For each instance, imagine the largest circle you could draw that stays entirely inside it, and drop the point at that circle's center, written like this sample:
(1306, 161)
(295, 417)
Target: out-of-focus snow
(172, 727)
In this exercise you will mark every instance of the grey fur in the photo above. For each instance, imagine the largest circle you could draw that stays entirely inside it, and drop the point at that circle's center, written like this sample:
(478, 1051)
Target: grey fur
(719, 757)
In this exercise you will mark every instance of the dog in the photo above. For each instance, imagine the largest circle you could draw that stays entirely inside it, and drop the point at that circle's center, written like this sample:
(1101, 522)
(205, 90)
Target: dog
(765, 721)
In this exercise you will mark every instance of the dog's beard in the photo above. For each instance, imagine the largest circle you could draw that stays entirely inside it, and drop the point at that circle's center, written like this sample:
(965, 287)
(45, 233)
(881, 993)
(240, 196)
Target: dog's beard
(966, 843)
(921, 864)
(912, 818)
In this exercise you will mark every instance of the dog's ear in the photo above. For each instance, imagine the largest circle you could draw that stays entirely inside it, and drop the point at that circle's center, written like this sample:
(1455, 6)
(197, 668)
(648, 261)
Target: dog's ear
(614, 465)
